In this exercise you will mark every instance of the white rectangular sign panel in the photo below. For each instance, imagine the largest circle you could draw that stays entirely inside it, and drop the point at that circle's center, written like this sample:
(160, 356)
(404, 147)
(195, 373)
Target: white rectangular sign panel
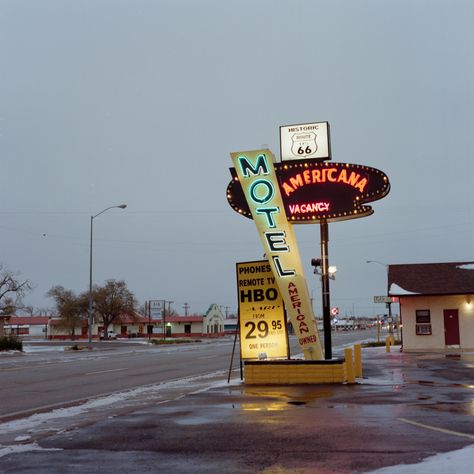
(157, 308)
(305, 141)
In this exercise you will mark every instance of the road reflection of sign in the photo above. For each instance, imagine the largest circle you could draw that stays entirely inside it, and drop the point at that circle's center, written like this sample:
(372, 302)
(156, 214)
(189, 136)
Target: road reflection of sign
(261, 312)
(156, 308)
(309, 140)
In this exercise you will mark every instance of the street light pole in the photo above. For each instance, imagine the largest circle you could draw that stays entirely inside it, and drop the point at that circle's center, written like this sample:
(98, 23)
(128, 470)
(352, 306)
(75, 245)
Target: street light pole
(89, 313)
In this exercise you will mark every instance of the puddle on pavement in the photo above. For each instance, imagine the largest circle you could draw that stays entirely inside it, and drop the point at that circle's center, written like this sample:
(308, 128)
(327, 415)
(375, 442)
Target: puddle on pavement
(426, 382)
(302, 394)
(195, 420)
(458, 408)
(453, 356)
(429, 356)
(271, 399)
(296, 402)
(430, 383)
(460, 385)
(264, 406)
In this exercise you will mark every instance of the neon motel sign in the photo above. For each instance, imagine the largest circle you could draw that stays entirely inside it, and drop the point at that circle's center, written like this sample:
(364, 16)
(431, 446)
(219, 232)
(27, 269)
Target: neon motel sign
(307, 191)
(258, 181)
(314, 191)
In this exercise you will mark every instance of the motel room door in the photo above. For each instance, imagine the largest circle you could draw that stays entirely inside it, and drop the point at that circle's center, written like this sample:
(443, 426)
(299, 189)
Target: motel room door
(451, 327)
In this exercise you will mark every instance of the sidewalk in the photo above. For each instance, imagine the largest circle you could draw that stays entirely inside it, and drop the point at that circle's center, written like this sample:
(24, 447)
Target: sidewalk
(406, 407)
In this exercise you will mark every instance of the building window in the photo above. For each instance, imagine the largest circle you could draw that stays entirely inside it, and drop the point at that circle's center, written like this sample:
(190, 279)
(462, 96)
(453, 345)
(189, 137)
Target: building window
(187, 329)
(423, 322)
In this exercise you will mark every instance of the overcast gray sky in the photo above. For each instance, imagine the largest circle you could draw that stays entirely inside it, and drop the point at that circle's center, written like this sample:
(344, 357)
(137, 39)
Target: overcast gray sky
(104, 102)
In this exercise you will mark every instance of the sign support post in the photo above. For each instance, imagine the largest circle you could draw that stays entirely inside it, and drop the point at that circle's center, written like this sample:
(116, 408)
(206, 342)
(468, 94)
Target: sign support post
(150, 327)
(164, 320)
(325, 289)
(390, 320)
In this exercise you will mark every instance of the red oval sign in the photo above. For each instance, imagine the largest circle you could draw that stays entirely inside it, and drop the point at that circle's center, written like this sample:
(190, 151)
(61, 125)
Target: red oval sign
(313, 190)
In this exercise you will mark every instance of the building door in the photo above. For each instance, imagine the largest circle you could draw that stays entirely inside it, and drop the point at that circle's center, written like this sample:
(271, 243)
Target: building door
(451, 327)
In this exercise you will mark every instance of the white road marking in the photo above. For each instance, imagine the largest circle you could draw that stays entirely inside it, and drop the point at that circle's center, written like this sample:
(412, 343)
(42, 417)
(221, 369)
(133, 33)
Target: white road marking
(434, 428)
(105, 371)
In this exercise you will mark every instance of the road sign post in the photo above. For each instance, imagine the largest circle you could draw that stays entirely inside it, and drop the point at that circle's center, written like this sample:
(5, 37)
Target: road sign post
(388, 300)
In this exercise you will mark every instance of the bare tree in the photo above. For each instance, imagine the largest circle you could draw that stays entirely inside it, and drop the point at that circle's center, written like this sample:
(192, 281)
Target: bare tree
(112, 301)
(44, 311)
(12, 291)
(72, 309)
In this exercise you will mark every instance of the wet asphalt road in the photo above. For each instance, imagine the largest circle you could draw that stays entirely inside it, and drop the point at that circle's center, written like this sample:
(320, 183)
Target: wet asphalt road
(36, 381)
(407, 407)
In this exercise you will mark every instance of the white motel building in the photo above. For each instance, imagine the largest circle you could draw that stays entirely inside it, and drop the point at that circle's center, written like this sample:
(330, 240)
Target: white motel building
(436, 305)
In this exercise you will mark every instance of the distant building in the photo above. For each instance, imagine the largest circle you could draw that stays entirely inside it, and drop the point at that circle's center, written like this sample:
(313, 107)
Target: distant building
(211, 324)
(4, 318)
(35, 326)
(134, 325)
(436, 305)
(231, 325)
(131, 326)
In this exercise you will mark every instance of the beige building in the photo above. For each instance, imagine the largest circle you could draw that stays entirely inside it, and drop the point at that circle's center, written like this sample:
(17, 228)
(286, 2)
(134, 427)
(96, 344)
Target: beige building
(436, 305)
(211, 324)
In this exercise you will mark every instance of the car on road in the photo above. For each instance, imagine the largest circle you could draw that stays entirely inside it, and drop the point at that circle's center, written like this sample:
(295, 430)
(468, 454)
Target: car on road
(110, 335)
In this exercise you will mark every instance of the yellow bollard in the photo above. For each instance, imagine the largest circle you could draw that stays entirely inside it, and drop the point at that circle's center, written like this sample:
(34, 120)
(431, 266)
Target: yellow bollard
(358, 360)
(349, 365)
(387, 344)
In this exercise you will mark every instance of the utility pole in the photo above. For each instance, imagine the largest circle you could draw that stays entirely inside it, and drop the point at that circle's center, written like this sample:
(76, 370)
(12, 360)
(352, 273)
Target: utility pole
(148, 313)
(186, 307)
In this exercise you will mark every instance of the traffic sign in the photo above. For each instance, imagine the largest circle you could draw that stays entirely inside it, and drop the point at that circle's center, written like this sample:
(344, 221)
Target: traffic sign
(382, 299)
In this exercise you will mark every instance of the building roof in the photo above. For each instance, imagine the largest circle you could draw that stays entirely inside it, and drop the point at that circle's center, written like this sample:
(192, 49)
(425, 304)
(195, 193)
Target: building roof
(136, 318)
(184, 319)
(59, 322)
(31, 320)
(452, 278)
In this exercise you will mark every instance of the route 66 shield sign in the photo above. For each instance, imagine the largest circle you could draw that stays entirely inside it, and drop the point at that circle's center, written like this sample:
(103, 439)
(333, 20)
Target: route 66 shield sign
(304, 144)
(305, 141)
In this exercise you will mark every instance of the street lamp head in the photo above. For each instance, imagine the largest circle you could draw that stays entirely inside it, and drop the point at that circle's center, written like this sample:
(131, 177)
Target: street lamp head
(122, 206)
(376, 261)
